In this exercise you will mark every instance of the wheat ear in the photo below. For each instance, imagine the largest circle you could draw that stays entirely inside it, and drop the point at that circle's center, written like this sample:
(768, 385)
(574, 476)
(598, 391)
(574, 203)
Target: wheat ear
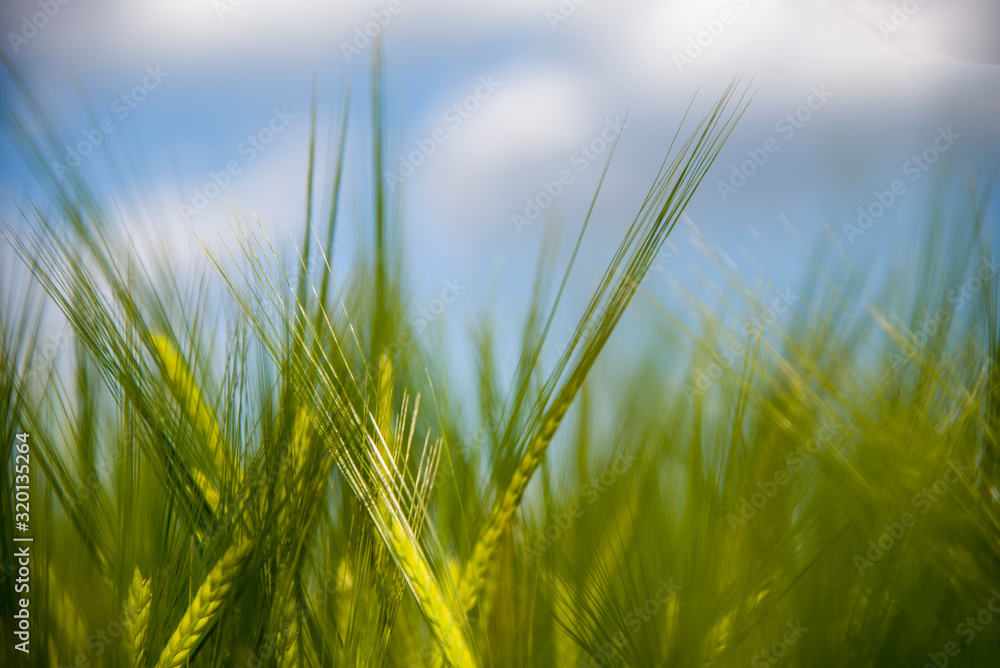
(137, 618)
(442, 622)
(442, 617)
(503, 511)
(185, 390)
(370, 468)
(204, 608)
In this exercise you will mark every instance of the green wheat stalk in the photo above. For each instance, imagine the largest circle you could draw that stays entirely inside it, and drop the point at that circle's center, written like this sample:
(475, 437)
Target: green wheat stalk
(672, 189)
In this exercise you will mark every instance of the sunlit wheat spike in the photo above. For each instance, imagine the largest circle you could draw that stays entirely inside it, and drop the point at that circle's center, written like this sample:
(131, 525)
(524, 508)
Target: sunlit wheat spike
(440, 618)
(185, 390)
(482, 554)
(137, 619)
(204, 608)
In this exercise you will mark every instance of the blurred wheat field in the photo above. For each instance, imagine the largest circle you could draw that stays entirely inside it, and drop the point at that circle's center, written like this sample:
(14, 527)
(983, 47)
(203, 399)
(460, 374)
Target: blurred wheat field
(301, 490)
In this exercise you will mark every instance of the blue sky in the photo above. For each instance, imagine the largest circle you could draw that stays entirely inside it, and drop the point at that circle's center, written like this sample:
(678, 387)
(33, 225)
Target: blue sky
(846, 94)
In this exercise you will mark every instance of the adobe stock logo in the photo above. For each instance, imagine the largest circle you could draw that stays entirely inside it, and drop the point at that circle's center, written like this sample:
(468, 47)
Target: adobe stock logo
(900, 16)
(973, 624)
(894, 532)
(217, 182)
(779, 649)
(562, 13)
(454, 116)
(786, 126)
(363, 35)
(426, 315)
(573, 510)
(957, 299)
(122, 106)
(749, 329)
(38, 20)
(915, 167)
(581, 158)
(612, 652)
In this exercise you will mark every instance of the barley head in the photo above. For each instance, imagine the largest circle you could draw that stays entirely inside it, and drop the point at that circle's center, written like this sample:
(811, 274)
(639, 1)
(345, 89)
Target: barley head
(204, 609)
(137, 618)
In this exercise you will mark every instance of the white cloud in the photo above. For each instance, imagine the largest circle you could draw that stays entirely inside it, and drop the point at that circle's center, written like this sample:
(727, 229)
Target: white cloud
(536, 117)
(606, 57)
(194, 30)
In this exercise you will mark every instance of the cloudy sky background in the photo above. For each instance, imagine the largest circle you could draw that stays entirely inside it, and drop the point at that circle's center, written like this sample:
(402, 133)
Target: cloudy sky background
(563, 70)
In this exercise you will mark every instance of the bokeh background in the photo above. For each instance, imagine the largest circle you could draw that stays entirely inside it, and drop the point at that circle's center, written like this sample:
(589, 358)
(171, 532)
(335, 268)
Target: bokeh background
(183, 84)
